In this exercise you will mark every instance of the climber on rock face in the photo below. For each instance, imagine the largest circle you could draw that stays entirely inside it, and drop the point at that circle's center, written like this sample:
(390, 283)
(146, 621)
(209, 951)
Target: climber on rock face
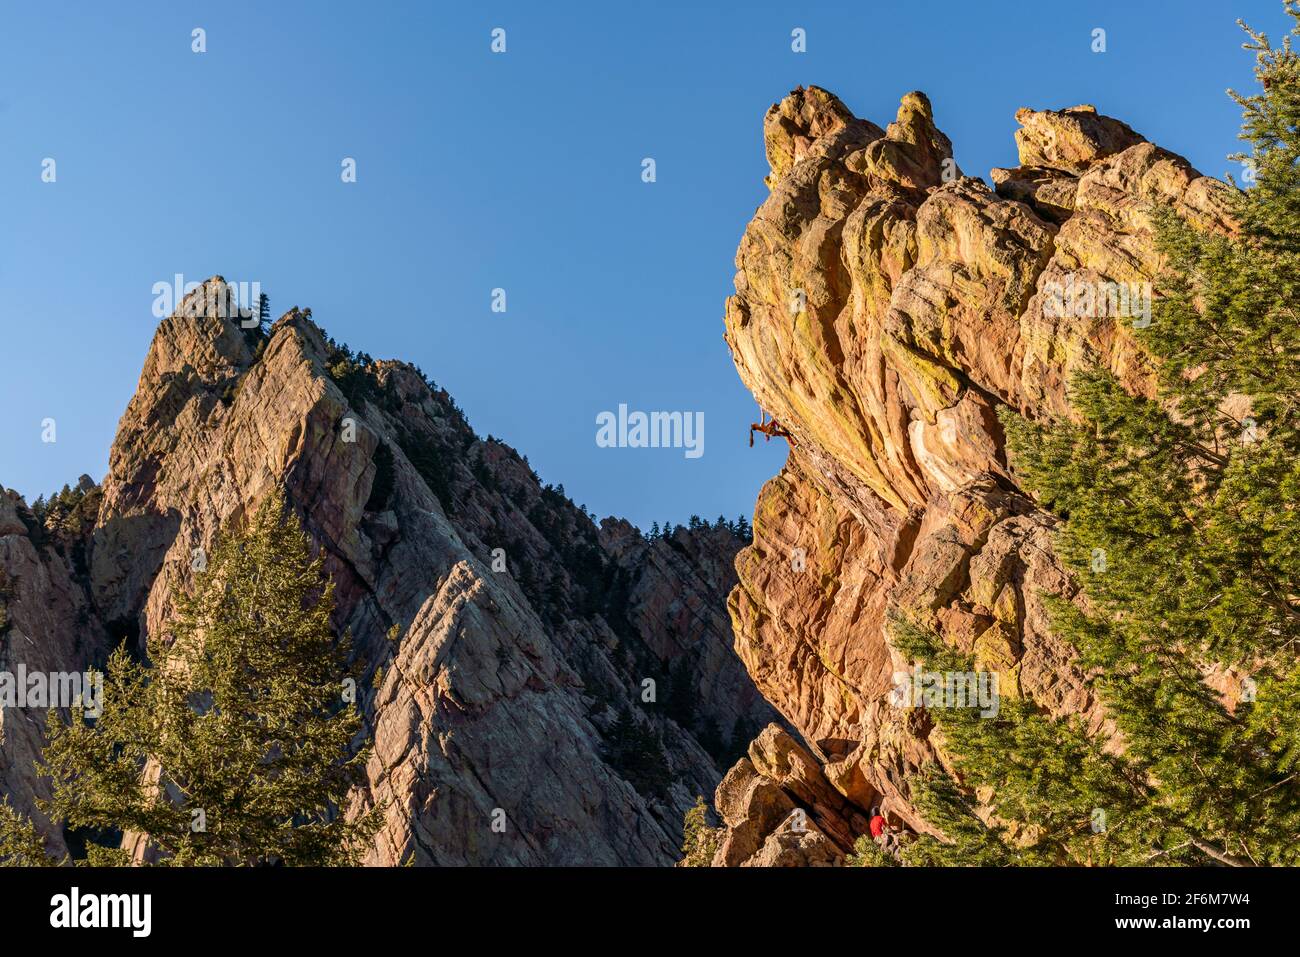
(769, 429)
(878, 825)
(888, 838)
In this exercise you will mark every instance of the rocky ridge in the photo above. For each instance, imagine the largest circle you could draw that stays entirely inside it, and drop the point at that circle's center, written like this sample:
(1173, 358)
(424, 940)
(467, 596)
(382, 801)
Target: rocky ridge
(504, 638)
(886, 307)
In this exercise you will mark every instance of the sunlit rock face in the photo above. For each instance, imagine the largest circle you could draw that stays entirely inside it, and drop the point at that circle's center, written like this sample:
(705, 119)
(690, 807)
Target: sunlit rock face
(886, 306)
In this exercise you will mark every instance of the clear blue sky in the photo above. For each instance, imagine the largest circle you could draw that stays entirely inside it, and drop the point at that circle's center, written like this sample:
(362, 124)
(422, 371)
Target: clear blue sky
(477, 171)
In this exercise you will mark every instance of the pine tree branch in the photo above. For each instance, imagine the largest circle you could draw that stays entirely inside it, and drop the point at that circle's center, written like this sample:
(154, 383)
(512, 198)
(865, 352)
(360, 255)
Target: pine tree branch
(1172, 850)
(1222, 857)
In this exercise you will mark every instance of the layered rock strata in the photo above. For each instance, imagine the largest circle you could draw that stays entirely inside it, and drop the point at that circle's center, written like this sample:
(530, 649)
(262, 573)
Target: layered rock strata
(886, 307)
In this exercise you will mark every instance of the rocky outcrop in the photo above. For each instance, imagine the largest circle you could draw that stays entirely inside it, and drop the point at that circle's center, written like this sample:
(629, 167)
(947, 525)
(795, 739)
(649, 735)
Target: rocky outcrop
(47, 628)
(506, 642)
(779, 808)
(886, 306)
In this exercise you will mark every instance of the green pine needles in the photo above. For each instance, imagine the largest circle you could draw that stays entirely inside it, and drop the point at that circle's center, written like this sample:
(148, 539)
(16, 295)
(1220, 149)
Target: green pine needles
(1180, 519)
(235, 744)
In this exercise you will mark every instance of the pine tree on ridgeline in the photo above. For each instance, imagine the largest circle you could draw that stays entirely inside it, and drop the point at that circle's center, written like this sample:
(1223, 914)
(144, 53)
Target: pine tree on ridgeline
(1180, 518)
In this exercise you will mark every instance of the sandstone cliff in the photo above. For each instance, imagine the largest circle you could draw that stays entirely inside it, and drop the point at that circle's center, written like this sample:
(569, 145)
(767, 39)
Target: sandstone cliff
(886, 305)
(505, 639)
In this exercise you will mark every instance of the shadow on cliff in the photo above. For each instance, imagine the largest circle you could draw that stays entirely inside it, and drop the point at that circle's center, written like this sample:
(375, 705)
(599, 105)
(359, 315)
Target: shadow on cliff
(126, 555)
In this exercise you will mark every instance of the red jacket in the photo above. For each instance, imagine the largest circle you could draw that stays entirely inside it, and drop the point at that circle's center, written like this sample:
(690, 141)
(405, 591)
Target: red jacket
(878, 824)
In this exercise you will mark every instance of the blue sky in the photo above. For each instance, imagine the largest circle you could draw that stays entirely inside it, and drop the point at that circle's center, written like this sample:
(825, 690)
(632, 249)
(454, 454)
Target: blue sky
(475, 171)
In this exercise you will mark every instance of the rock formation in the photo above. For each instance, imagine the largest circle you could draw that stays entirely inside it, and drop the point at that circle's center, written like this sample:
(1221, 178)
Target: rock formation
(504, 638)
(47, 625)
(886, 306)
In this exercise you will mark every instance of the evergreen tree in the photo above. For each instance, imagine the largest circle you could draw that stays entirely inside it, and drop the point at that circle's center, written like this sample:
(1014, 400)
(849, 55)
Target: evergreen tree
(636, 751)
(681, 696)
(20, 845)
(699, 841)
(234, 747)
(709, 733)
(1179, 519)
(867, 853)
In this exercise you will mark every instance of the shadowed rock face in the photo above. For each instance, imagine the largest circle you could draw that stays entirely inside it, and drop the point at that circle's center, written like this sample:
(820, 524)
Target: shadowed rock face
(499, 690)
(885, 307)
(46, 625)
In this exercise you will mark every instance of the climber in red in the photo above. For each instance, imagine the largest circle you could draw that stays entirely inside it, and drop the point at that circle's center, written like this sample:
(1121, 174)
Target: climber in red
(878, 825)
